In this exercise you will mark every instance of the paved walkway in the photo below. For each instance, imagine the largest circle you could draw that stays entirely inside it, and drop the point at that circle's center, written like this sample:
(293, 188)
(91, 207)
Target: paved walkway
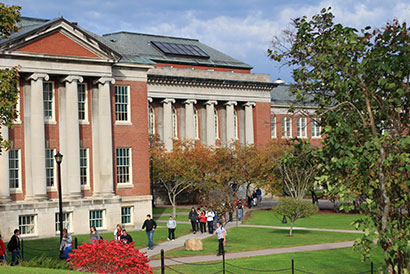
(245, 254)
(304, 228)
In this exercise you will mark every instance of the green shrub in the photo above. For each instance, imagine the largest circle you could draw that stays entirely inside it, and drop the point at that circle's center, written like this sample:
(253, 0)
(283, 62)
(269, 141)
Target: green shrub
(46, 262)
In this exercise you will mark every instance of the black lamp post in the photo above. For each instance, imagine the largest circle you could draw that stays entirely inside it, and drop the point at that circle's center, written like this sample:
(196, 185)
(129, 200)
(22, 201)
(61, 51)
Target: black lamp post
(59, 159)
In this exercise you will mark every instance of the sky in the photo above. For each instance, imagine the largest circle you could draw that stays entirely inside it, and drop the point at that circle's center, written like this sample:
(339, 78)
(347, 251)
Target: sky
(242, 29)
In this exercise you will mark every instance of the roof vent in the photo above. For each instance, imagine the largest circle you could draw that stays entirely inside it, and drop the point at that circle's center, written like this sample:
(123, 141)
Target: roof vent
(113, 40)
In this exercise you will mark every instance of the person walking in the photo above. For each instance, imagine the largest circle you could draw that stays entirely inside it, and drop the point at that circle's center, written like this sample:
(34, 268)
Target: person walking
(118, 232)
(239, 207)
(94, 235)
(14, 247)
(210, 220)
(150, 225)
(193, 217)
(172, 225)
(255, 198)
(3, 252)
(250, 200)
(259, 194)
(202, 222)
(221, 232)
(66, 244)
(125, 237)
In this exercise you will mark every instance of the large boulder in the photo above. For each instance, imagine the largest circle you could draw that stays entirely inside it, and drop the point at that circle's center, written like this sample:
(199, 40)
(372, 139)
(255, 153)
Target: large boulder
(193, 244)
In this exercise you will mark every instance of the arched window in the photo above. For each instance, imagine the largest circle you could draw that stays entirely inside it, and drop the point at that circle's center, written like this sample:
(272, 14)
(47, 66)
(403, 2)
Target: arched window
(216, 120)
(151, 120)
(196, 123)
(235, 123)
(174, 123)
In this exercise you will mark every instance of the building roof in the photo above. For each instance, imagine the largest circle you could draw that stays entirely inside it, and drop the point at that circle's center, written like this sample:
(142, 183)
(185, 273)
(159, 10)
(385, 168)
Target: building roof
(138, 44)
(137, 47)
(282, 95)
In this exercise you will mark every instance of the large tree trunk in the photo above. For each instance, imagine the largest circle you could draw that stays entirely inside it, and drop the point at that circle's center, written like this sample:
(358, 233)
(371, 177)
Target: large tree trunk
(174, 206)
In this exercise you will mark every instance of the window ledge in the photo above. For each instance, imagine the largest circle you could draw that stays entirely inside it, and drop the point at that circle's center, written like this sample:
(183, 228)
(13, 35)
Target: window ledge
(83, 122)
(85, 187)
(51, 188)
(16, 191)
(125, 185)
(18, 122)
(123, 123)
(50, 122)
(319, 137)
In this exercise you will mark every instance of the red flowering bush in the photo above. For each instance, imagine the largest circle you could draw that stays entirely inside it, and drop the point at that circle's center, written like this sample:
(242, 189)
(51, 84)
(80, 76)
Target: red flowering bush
(109, 257)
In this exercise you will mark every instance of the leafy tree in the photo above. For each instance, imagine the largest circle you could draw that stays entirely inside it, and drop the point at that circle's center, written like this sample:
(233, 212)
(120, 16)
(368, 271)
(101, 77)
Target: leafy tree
(299, 168)
(359, 80)
(294, 209)
(9, 15)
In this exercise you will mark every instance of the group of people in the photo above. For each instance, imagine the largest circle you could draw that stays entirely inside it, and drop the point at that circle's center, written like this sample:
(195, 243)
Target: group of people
(254, 198)
(13, 247)
(201, 219)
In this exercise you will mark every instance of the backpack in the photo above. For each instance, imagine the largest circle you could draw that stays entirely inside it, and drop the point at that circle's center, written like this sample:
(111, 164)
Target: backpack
(9, 247)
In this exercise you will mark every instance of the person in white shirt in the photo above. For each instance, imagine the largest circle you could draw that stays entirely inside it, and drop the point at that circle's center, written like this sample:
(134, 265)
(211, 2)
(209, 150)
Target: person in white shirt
(172, 225)
(221, 232)
(210, 220)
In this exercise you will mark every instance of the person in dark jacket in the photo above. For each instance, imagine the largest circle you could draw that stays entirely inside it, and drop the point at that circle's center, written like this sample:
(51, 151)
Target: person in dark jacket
(14, 247)
(125, 237)
(194, 217)
(150, 225)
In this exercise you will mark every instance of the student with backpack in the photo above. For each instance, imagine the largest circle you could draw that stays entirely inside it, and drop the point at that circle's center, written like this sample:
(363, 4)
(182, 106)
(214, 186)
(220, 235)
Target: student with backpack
(14, 247)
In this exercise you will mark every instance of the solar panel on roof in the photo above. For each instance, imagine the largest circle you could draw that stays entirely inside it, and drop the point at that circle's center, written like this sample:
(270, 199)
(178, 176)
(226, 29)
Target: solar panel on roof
(180, 49)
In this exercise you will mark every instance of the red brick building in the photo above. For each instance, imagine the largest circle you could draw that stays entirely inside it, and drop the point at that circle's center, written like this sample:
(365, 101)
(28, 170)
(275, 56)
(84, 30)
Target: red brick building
(95, 99)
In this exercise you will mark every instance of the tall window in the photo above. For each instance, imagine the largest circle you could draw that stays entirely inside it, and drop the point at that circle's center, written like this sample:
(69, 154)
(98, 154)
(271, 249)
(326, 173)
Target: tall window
(126, 215)
(50, 167)
(14, 168)
(122, 101)
(84, 166)
(316, 130)
(97, 218)
(66, 221)
(82, 102)
(286, 127)
(235, 123)
(123, 165)
(48, 101)
(196, 123)
(151, 120)
(174, 123)
(27, 224)
(301, 127)
(216, 120)
(273, 127)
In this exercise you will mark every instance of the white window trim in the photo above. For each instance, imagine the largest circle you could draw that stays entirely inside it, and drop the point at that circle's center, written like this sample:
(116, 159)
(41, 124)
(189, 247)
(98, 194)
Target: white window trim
(35, 225)
(299, 130)
(131, 215)
(128, 122)
(87, 185)
(104, 226)
(313, 121)
(54, 187)
(290, 127)
(130, 184)
(84, 121)
(52, 121)
(274, 135)
(19, 189)
(70, 214)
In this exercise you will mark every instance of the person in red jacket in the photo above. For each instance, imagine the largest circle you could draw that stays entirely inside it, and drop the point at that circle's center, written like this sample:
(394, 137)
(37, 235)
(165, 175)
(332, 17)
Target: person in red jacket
(202, 221)
(3, 253)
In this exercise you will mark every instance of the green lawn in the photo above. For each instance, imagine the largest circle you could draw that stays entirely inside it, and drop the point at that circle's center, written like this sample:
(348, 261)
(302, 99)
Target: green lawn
(340, 261)
(50, 246)
(33, 270)
(168, 210)
(246, 238)
(177, 218)
(331, 221)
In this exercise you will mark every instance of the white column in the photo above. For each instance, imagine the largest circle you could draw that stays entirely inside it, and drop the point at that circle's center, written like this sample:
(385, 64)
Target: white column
(4, 169)
(104, 182)
(38, 154)
(230, 127)
(210, 122)
(249, 137)
(189, 119)
(71, 132)
(167, 123)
